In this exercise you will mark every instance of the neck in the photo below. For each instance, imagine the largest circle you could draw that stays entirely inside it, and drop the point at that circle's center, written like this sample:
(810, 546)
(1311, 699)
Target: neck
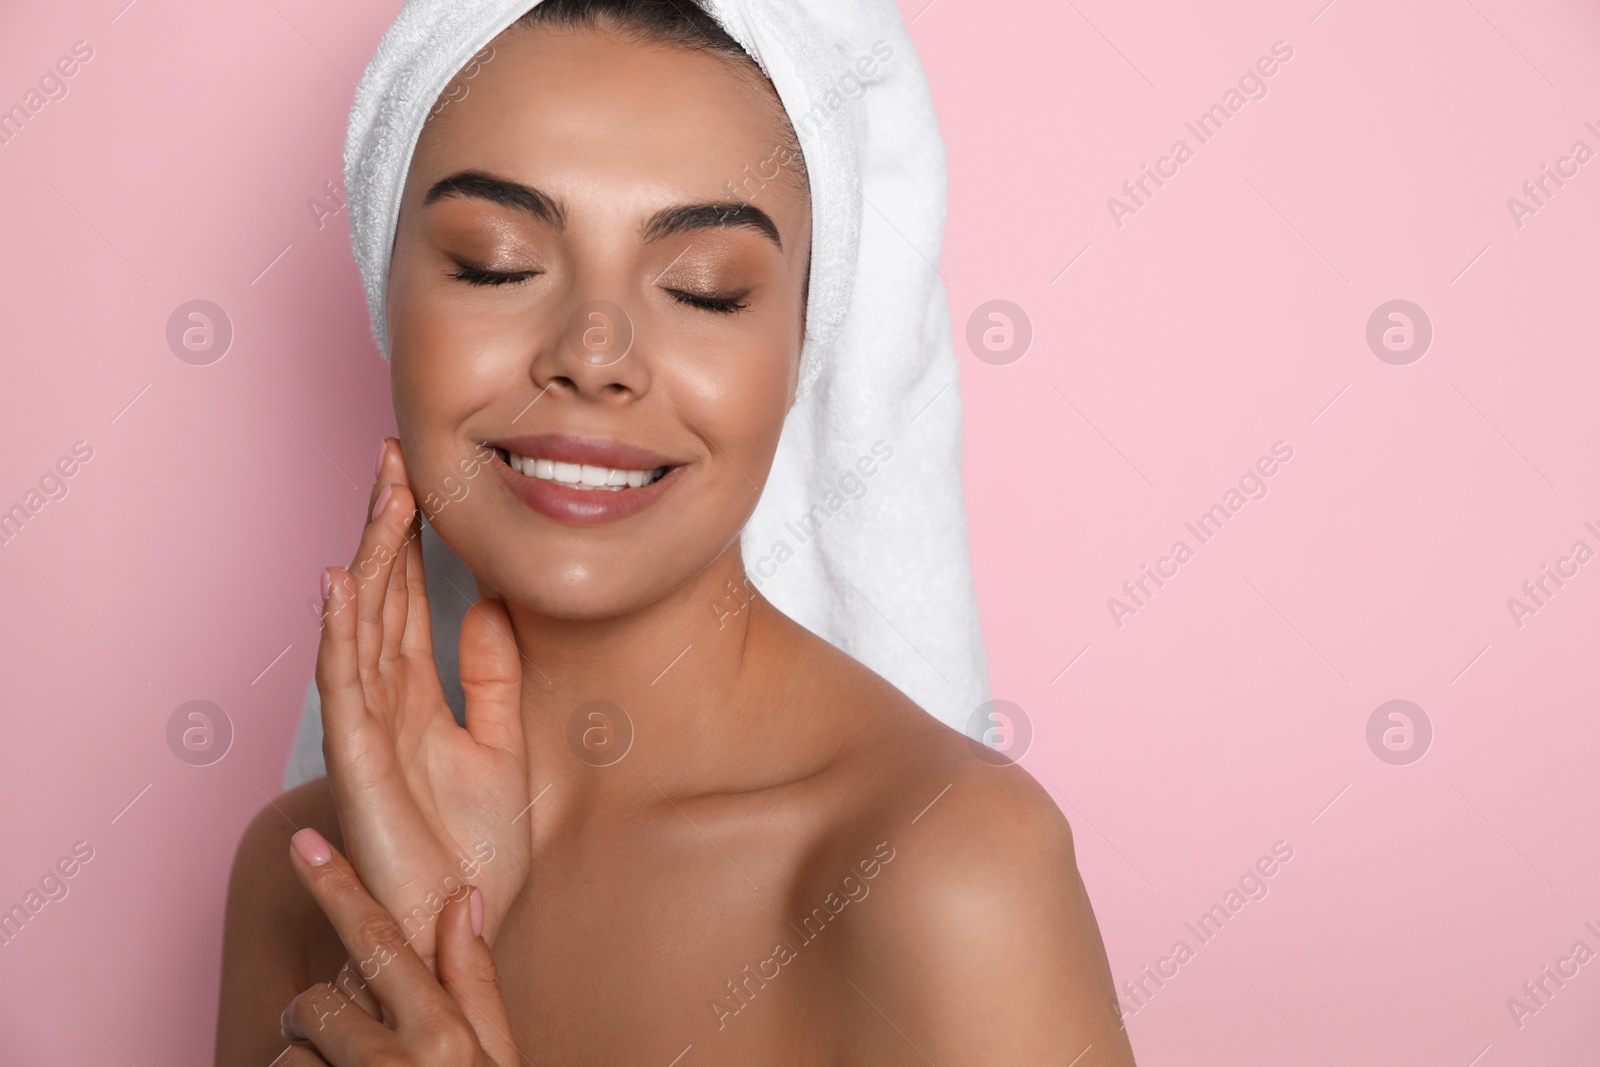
(654, 702)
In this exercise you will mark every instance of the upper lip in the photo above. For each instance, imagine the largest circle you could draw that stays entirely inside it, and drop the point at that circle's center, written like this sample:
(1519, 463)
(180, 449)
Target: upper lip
(594, 451)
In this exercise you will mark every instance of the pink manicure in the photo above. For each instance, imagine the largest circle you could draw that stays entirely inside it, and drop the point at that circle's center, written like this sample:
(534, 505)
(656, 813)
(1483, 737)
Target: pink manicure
(475, 910)
(377, 466)
(312, 846)
(327, 585)
(383, 498)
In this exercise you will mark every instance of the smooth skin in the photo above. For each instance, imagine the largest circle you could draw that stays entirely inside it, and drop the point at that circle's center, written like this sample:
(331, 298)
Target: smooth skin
(452, 1015)
(792, 863)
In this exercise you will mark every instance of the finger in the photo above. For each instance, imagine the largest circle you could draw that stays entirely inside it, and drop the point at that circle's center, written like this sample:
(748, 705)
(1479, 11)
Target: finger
(396, 607)
(417, 641)
(372, 567)
(397, 614)
(467, 970)
(378, 480)
(372, 798)
(350, 984)
(417, 633)
(338, 676)
(396, 975)
(299, 1056)
(392, 523)
(357, 758)
(491, 677)
(339, 1031)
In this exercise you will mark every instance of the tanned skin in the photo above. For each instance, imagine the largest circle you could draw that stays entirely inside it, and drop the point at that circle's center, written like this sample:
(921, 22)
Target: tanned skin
(792, 863)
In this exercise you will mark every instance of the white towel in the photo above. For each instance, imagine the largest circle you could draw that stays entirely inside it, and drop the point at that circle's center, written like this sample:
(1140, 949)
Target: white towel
(878, 565)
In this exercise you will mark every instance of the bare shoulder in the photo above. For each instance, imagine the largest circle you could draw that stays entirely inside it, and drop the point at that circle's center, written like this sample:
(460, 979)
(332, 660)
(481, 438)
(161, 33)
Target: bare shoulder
(964, 931)
(275, 937)
(978, 943)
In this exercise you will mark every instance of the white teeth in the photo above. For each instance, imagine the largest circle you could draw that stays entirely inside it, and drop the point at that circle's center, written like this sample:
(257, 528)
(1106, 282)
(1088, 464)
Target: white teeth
(582, 476)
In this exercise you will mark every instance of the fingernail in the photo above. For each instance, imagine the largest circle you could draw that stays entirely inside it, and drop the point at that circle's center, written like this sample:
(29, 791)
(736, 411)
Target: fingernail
(475, 909)
(312, 846)
(377, 464)
(286, 1026)
(327, 585)
(383, 498)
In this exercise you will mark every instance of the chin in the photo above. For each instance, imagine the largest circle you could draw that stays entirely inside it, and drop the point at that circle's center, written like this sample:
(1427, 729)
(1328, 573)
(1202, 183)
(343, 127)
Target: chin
(577, 586)
(577, 594)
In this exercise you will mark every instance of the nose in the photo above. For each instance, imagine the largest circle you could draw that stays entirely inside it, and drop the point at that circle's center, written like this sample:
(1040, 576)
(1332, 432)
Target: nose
(596, 354)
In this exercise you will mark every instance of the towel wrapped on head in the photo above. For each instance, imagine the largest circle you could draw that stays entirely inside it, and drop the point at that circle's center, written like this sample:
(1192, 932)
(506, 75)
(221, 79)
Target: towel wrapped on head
(860, 533)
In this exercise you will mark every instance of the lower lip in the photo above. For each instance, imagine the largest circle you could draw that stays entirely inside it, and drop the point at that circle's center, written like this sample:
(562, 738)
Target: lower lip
(584, 507)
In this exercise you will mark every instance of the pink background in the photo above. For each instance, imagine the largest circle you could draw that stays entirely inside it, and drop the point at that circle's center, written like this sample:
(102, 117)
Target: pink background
(1229, 312)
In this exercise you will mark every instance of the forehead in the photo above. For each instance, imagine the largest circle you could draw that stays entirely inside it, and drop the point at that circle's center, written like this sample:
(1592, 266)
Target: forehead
(575, 109)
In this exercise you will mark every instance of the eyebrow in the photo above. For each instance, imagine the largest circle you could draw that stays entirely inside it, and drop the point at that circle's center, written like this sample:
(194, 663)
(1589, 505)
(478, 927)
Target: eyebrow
(668, 222)
(473, 183)
(689, 217)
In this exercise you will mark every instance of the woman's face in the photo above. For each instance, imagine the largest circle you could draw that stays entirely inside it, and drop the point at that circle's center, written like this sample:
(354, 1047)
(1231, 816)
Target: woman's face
(577, 286)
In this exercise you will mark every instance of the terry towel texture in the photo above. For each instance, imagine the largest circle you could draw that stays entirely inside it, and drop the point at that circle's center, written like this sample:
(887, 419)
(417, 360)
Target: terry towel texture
(875, 563)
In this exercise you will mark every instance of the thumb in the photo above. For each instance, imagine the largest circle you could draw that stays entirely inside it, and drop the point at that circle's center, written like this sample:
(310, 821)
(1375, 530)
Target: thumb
(491, 677)
(467, 969)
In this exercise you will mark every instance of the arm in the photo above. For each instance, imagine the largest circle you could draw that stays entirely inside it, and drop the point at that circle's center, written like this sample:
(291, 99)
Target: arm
(276, 940)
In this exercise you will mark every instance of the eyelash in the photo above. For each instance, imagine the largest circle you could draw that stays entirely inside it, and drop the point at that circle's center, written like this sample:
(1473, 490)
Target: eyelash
(722, 305)
(479, 276)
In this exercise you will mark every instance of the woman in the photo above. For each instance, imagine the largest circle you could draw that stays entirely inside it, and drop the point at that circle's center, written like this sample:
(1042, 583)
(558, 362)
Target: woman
(665, 833)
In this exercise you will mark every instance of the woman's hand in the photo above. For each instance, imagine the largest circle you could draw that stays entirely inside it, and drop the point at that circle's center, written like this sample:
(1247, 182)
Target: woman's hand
(455, 1020)
(425, 806)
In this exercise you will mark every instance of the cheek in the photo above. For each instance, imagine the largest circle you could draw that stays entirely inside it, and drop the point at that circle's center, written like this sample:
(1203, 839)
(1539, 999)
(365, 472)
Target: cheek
(447, 337)
(738, 402)
(447, 359)
(438, 383)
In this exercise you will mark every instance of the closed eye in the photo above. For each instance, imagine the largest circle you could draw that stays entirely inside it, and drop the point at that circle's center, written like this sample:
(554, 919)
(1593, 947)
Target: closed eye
(723, 304)
(480, 276)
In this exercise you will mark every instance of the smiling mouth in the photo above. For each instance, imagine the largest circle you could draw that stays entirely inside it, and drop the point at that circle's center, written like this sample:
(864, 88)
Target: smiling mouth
(581, 475)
